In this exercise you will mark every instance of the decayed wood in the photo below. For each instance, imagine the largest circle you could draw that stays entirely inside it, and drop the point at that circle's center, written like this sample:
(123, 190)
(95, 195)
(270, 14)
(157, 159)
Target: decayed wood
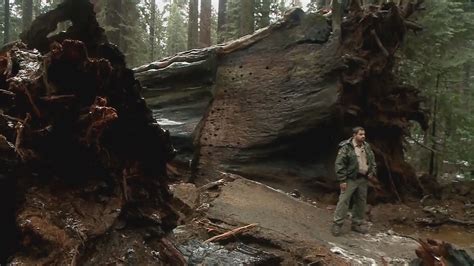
(434, 252)
(90, 153)
(230, 233)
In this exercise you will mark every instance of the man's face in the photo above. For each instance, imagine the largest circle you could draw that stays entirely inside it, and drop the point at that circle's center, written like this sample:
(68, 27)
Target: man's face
(360, 136)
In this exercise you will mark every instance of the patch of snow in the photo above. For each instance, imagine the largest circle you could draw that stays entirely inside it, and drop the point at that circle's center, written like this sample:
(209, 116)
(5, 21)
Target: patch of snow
(167, 122)
(353, 258)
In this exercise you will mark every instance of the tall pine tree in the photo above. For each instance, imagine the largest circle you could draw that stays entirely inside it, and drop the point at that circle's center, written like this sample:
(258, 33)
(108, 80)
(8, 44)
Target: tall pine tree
(176, 30)
(221, 20)
(193, 27)
(205, 23)
(247, 19)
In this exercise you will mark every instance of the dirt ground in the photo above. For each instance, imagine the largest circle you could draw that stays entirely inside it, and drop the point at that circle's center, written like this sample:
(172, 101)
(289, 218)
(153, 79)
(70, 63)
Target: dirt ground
(295, 229)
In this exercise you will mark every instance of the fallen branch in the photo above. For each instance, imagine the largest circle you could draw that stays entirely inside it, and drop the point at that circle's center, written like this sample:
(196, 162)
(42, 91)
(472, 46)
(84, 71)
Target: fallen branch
(171, 253)
(394, 188)
(460, 222)
(423, 145)
(172, 169)
(230, 233)
(435, 252)
(441, 221)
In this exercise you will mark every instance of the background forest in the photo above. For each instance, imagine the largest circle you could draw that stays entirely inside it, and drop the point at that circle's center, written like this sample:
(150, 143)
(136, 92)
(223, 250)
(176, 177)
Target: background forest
(439, 59)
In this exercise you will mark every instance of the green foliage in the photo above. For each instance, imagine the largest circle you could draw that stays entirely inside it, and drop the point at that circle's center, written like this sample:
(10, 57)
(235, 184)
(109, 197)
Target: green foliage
(274, 8)
(440, 61)
(176, 30)
(170, 24)
(145, 9)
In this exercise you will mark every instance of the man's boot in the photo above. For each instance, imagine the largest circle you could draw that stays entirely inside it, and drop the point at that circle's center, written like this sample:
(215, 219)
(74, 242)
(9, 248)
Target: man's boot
(359, 228)
(336, 229)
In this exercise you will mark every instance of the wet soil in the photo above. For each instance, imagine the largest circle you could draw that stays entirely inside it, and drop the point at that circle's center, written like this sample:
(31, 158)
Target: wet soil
(294, 227)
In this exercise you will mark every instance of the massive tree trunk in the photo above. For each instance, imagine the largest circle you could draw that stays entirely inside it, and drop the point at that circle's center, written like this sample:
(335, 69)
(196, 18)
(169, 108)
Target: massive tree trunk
(247, 20)
(193, 28)
(274, 105)
(221, 20)
(81, 155)
(205, 23)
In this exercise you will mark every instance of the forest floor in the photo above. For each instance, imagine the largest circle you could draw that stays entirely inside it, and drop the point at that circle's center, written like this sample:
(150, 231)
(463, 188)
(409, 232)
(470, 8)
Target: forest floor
(293, 228)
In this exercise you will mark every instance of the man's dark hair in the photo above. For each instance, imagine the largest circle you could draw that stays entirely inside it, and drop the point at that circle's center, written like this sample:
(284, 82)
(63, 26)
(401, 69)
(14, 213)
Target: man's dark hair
(356, 130)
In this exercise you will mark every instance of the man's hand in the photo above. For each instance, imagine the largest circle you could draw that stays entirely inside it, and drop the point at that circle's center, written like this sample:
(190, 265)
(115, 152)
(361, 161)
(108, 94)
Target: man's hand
(343, 187)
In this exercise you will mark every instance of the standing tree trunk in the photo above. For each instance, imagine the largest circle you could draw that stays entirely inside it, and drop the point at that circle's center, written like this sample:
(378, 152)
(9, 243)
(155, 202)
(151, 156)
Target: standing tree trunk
(465, 84)
(113, 20)
(265, 21)
(433, 168)
(221, 20)
(152, 30)
(336, 16)
(205, 23)
(193, 24)
(247, 17)
(27, 13)
(6, 23)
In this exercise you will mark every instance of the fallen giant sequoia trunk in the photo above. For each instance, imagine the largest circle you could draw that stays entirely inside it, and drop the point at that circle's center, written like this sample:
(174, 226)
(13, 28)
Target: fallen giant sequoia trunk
(274, 105)
(82, 155)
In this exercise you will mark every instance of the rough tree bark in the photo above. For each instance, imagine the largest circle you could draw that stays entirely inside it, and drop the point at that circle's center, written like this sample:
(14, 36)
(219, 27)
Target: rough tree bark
(274, 105)
(81, 154)
(205, 23)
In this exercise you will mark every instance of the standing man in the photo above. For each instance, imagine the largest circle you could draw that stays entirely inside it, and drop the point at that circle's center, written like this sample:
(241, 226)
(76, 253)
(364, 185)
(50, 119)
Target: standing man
(355, 164)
